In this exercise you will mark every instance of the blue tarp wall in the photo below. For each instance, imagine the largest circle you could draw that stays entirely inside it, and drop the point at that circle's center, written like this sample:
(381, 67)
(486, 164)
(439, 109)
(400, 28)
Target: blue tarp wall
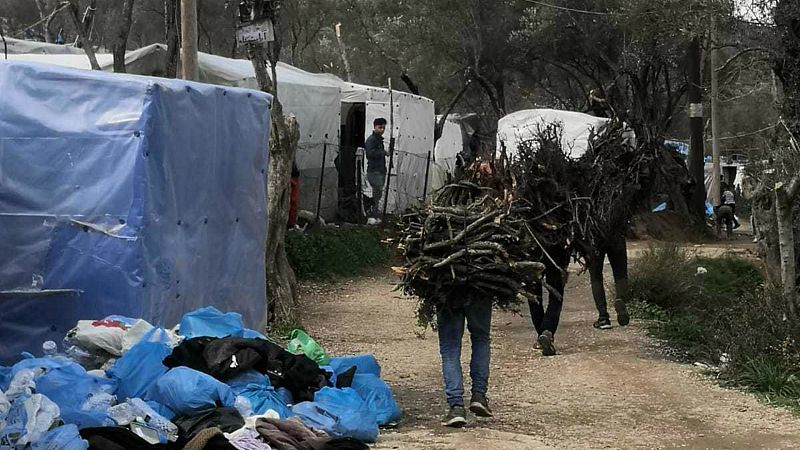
(138, 196)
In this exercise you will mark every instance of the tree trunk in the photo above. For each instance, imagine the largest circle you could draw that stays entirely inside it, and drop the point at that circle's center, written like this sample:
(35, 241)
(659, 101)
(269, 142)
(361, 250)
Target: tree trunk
(439, 128)
(171, 21)
(121, 36)
(82, 30)
(343, 52)
(285, 134)
(40, 7)
(784, 202)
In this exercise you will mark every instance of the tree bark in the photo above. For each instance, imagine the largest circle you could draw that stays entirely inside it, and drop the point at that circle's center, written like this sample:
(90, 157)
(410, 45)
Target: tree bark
(281, 281)
(83, 32)
(343, 52)
(784, 201)
(171, 20)
(121, 36)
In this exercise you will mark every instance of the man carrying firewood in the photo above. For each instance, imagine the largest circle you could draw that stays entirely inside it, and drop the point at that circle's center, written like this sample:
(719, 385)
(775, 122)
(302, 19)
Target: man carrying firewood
(465, 305)
(613, 246)
(545, 321)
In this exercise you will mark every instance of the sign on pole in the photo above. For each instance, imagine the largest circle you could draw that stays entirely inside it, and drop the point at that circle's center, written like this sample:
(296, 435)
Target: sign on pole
(255, 32)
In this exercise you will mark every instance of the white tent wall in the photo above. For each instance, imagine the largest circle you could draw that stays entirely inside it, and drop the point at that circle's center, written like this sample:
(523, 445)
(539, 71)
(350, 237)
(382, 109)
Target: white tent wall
(413, 130)
(520, 126)
(449, 145)
(315, 101)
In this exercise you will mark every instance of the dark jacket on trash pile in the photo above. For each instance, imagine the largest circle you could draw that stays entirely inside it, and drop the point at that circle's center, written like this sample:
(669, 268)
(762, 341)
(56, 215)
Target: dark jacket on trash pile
(225, 358)
(294, 435)
(227, 420)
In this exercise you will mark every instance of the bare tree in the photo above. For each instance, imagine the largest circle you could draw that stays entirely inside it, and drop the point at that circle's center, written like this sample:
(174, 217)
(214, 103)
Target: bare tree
(281, 281)
(83, 27)
(171, 21)
(120, 38)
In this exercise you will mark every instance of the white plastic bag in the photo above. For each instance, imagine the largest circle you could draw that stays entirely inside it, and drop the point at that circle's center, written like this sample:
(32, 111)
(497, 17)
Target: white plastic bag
(30, 417)
(99, 335)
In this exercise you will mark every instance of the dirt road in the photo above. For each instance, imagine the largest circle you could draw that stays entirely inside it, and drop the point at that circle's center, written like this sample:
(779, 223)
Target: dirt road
(606, 389)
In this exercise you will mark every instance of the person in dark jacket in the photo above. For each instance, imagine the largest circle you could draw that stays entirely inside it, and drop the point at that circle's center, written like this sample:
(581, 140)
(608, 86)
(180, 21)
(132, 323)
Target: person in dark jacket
(376, 162)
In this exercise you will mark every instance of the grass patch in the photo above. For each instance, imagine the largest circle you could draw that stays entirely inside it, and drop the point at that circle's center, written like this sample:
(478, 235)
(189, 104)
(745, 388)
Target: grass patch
(719, 311)
(335, 252)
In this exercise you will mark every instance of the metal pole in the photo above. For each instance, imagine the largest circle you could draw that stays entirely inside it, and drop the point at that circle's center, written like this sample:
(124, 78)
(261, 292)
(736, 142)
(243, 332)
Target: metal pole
(321, 177)
(427, 173)
(359, 181)
(696, 149)
(189, 69)
(391, 151)
(715, 171)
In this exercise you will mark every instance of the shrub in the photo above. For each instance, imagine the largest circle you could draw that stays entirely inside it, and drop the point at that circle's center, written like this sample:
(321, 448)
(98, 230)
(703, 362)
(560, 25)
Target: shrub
(664, 275)
(330, 252)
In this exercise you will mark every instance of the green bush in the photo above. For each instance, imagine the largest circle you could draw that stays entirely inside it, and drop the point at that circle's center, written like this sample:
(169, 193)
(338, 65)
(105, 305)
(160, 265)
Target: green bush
(725, 316)
(330, 252)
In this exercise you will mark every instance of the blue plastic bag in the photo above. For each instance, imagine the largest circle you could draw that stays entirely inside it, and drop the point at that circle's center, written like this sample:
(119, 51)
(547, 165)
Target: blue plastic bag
(364, 364)
(70, 387)
(188, 392)
(161, 409)
(252, 334)
(248, 377)
(65, 437)
(353, 418)
(256, 388)
(285, 395)
(378, 397)
(141, 366)
(211, 322)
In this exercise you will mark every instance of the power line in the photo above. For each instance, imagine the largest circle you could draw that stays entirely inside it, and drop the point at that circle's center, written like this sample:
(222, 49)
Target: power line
(564, 8)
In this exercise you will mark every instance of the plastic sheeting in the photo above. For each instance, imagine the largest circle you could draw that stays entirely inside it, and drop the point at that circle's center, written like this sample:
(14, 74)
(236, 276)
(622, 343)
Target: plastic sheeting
(520, 126)
(16, 46)
(126, 195)
(313, 98)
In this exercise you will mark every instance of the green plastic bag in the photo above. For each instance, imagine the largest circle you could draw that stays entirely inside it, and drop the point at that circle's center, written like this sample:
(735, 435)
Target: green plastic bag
(300, 342)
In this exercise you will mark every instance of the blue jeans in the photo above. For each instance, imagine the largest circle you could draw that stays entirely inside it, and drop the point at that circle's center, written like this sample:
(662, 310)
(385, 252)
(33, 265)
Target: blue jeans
(478, 316)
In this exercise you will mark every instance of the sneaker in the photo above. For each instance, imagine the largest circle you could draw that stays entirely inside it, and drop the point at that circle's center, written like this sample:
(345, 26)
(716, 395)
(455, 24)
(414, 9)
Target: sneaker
(547, 343)
(602, 324)
(622, 312)
(480, 406)
(456, 418)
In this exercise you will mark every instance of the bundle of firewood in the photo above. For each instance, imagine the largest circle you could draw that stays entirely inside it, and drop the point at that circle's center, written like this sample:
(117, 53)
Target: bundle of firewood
(491, 232)
(468, 236)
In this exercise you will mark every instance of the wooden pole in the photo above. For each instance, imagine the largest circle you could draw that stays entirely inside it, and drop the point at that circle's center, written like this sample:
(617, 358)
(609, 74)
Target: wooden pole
(391, 151)
(189, 69)
(716, 170)
(321, 177)
(696, 149)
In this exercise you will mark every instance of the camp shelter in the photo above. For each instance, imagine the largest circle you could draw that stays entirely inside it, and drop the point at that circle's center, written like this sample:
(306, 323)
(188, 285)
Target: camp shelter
(521, 126)
(412, 119)
(114, 201)
(313, 99)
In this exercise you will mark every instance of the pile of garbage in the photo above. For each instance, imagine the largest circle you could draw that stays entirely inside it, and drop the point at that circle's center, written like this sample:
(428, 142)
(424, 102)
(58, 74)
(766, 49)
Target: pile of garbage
(209, 383)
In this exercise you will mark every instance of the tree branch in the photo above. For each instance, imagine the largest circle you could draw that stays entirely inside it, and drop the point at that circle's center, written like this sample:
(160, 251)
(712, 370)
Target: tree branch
(437, 133)
(741, 53)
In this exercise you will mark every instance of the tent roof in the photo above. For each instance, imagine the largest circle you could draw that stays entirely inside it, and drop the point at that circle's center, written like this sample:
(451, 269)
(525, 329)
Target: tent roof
(520, 126)
(17, 46)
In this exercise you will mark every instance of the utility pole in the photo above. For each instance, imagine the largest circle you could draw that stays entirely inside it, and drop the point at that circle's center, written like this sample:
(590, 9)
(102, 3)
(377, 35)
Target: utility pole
(189, 70)
(696, 148)
(716, 170)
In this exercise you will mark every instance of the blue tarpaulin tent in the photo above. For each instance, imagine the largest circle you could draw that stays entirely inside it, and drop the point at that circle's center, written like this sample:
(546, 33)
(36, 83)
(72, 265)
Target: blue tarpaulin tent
(129, 195)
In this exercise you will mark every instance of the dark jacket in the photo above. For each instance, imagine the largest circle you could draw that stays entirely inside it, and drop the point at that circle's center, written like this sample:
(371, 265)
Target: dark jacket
(376, 154)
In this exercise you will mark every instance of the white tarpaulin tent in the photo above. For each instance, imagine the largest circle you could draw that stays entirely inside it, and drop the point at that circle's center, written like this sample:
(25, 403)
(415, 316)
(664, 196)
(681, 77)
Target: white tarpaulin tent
(520, 126)
(313, 99)
(413, 130)
(17, 46)
(316, 100)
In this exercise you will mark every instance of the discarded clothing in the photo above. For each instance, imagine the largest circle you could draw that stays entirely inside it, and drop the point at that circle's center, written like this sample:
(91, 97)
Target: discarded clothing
(209, 439)
(225, 358)
(115, 438)
(226, 419)
(294, 435)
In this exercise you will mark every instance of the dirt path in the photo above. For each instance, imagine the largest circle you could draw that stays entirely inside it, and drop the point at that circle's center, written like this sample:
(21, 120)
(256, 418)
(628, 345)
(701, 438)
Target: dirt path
(606, 389)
